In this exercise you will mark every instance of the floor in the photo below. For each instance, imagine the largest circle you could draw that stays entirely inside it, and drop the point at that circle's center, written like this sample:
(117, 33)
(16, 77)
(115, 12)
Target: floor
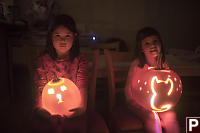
(16, 116)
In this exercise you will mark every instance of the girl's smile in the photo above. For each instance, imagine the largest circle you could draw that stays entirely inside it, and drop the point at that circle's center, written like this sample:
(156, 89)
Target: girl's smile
(151, 46)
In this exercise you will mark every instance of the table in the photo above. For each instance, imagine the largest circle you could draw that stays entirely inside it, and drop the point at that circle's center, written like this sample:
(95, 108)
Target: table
(183, 67)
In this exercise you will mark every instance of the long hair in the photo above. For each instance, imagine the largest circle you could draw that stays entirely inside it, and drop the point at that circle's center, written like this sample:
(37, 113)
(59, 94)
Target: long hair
(141, 35)
(68, 22)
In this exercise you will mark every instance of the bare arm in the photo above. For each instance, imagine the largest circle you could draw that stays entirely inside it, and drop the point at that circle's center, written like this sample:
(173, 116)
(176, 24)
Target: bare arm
(130, 85)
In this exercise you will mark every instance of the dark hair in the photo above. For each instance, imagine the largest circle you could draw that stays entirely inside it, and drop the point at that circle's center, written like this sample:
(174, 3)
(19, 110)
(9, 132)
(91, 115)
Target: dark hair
(68, 22)
(141, 35)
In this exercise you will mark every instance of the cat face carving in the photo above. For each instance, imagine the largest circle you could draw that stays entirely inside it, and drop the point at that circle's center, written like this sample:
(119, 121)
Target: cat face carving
(158, 90)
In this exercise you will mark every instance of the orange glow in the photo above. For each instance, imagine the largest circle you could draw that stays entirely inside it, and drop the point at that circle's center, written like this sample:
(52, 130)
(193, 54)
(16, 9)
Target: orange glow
(63, 88)
(60, 97)
(157, 90)
(56, 83)
(152, 68)
(149, 68)
(164, 107)
(51, 91)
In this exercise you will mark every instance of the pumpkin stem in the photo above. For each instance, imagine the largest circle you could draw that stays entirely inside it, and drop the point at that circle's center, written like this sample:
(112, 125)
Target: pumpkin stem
(56, 79)
(159, 62)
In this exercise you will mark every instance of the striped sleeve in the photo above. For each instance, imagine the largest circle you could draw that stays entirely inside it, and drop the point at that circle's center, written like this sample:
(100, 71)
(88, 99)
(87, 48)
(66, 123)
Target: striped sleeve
(82, 73)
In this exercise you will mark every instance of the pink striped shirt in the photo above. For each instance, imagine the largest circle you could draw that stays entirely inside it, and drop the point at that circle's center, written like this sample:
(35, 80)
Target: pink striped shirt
(77, 71)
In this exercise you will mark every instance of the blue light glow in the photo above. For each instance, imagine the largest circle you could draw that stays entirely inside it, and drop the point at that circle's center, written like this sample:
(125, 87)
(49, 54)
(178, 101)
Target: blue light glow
(93, 38)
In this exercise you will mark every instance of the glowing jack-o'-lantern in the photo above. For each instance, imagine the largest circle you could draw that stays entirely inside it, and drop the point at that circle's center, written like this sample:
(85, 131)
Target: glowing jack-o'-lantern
(158, 90)
(60, 96)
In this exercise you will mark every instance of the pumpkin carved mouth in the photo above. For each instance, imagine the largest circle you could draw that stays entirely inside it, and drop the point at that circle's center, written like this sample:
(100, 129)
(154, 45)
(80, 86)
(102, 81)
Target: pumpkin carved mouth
(59, 97)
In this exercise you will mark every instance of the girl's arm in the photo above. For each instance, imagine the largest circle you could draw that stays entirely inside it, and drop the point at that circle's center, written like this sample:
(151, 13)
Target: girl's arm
(129, 86)
(82, 84)
(40, 81)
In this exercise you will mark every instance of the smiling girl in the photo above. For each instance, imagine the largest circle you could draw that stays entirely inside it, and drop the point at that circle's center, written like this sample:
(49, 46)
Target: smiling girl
(149, 49)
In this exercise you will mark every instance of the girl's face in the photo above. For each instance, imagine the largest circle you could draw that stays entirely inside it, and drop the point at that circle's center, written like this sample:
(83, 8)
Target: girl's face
(62, 39)
(151, 46)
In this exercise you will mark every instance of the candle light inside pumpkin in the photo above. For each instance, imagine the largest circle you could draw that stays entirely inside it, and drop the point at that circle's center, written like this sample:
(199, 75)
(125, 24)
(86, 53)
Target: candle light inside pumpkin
(60, 96)
(164, 107)
(158, 90)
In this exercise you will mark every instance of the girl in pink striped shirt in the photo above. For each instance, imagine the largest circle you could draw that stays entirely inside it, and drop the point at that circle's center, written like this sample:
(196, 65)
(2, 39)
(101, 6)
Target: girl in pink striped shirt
(62, 57)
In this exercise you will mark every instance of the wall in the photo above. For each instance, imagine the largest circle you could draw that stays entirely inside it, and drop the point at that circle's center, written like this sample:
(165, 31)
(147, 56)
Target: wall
(178, 21)
(5, 94)
(8, 2)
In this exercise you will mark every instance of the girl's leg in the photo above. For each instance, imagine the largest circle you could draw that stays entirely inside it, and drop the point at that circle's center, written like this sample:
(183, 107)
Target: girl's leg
(41, 123)
(152, 123)
(75, 125)
(150, 119)
(169, 122)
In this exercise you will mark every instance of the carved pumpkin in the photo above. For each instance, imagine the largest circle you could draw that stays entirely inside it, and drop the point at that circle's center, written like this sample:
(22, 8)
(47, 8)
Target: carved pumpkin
(158, 90)
(60, 96)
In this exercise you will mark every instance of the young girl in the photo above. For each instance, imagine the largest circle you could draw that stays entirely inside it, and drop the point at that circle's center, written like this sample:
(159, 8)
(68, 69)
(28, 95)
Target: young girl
(148, 50)
(62, 57)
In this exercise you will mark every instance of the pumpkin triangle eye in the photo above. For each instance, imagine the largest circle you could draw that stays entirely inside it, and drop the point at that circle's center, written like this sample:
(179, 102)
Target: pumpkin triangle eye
(63, 88)
(51, 91)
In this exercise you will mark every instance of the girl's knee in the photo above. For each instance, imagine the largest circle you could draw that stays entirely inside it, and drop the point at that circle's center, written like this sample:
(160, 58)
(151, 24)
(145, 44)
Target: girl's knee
(168, 115)
(151, 117)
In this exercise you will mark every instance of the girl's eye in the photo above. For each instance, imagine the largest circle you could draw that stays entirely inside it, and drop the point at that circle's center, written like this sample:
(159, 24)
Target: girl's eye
(68, 36)
(155, 41)
(147, 43)
(57, 35)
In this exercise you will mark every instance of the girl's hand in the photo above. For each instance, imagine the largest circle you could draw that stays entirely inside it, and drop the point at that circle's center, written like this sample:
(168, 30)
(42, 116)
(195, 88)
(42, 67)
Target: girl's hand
(56, 117)
(56, 120)
(76, 112)
(42, 112)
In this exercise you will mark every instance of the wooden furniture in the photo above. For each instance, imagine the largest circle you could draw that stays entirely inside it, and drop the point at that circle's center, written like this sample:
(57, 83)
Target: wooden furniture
(184, 67)
(120, 117)
(96, 123)
(114, 46)
(92, 57)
